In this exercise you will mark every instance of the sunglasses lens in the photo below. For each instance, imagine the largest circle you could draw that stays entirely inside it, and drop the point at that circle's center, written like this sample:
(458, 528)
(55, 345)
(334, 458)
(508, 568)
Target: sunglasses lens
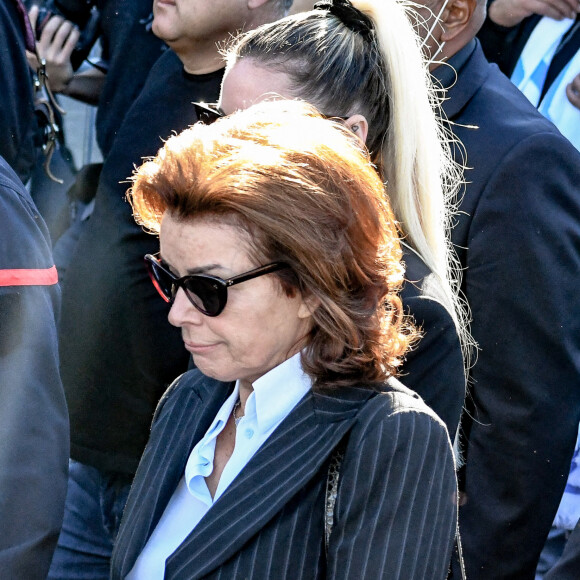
(162, 281)
(208, 295)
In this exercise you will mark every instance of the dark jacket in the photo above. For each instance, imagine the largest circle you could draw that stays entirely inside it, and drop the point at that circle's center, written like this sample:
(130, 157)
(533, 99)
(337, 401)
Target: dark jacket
(434, 368)
(19, 130)
(395, 512)
(34, 437)
(118, 351)
(518, 237)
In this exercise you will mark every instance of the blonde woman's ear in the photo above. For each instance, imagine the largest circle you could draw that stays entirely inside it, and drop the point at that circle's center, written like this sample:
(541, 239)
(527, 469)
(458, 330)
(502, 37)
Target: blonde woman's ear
(359, 126)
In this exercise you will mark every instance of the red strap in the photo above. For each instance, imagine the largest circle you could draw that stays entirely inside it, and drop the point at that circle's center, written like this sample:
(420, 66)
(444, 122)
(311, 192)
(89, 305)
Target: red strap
(38, 277)
(29, 38)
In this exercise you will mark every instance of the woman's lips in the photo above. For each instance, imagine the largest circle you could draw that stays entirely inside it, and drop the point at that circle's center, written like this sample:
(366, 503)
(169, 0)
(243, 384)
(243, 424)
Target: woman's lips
(195, 348)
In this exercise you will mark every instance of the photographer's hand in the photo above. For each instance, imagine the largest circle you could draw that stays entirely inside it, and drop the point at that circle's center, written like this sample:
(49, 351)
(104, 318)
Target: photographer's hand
(56, 44)
(511, 12)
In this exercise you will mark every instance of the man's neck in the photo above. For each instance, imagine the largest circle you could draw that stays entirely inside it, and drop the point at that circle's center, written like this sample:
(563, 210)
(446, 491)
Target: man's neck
(203, 59)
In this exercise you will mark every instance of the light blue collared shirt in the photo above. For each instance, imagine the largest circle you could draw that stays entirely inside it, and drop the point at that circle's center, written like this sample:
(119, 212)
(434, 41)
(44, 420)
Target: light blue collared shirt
(273, 398)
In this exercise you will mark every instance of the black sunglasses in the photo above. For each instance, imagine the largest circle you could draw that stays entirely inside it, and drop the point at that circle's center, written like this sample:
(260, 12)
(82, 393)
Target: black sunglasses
(209, 294)
(208, 113)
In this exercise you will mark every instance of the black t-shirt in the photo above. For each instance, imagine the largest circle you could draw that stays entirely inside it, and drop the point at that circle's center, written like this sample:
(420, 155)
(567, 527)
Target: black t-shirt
(118, 351)
(131, 49)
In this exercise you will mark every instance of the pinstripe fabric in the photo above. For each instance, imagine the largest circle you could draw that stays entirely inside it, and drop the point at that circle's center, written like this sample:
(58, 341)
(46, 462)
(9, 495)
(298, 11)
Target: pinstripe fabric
(395, 511)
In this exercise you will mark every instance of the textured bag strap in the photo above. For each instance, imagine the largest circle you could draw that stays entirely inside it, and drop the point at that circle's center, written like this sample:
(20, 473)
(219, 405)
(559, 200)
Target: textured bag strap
(332, 489)
(457, 565)
(459, 551)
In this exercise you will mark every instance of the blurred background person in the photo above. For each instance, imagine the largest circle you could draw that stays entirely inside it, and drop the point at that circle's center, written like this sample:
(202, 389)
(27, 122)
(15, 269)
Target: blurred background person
(280, 258)
(128, 49)
(110, 77)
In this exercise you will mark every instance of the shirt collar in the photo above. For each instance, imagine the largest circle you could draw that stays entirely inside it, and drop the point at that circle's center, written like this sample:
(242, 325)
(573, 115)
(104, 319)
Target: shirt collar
(447, 72)
(278, 392)
(274, 397)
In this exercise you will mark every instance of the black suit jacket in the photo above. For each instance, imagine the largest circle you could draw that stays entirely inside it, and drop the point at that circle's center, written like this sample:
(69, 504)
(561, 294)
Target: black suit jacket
(434, 368)
(518, 237)
(395, 512)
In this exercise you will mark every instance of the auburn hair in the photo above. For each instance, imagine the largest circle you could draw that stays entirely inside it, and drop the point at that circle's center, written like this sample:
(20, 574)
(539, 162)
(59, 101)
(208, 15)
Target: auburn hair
(305, 190)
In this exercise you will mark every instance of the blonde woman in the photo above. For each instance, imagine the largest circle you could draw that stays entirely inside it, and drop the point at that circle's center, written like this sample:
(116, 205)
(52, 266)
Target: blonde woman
(362, 62)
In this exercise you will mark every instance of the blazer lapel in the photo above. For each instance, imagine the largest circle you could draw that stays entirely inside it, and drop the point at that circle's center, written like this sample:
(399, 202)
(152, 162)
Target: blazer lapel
(291, 456)
(163, 462)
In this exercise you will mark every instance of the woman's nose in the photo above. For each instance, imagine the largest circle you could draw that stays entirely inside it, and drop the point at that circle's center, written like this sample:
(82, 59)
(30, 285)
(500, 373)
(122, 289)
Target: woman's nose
(183, 311)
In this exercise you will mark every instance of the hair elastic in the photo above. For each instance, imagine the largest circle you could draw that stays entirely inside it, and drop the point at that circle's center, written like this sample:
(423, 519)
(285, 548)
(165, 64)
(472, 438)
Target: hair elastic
(349, 15)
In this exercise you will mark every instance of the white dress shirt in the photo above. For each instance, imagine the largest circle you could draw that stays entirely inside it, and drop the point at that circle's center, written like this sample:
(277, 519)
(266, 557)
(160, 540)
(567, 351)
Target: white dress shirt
(273, 398)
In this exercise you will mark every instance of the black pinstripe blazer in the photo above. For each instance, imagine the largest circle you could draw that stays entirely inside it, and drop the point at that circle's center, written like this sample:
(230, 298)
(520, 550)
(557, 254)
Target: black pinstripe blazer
(395, 513)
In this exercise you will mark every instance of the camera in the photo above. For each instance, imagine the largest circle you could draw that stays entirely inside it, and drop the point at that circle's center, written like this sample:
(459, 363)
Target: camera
(83, 13)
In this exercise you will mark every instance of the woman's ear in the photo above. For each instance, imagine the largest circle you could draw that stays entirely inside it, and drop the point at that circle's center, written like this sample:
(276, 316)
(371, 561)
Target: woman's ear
(359, 126)
(310, 303)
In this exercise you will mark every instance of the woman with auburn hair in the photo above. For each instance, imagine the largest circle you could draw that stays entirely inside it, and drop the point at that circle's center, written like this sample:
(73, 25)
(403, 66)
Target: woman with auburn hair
(280, 256)
(362, 62)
